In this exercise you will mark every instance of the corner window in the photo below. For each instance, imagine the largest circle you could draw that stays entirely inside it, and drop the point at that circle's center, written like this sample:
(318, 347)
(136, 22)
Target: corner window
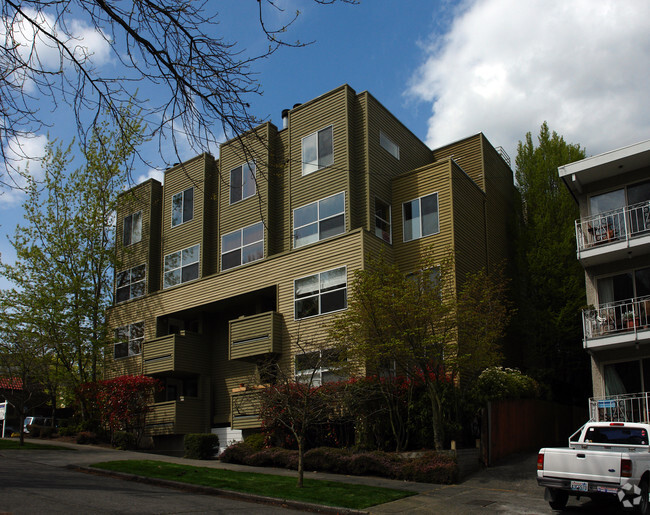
(420, 217)
(320, 293)
(382, 221)
(132, 232)
(183, 207)
(389, 145)
(316, 368)
(128, 340)
(181, 266)
(130, 284)
(242, 246)
(319, 220)
(317, 150)
(242, 182)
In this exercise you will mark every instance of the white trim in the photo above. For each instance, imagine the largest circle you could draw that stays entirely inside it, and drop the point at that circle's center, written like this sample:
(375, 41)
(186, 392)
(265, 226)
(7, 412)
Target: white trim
(319, 294)
(302, 147)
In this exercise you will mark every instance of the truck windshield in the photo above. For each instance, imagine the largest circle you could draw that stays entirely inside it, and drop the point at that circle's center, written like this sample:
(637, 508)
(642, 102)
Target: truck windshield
(617, 435)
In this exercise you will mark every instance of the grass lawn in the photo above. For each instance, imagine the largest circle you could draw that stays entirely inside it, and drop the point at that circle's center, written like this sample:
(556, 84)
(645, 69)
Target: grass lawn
(15, 444)
(329, 493)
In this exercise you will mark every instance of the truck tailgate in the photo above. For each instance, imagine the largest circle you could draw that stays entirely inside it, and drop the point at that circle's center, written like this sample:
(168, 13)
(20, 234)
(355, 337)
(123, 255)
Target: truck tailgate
(583, 465)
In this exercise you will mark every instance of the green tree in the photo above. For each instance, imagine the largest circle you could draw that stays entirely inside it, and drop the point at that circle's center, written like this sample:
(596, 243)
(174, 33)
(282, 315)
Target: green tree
(63, 274)
(550, 281)
(413, 324)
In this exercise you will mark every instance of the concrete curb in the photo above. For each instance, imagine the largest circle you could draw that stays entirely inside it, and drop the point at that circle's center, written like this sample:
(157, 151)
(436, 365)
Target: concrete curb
(207, 490)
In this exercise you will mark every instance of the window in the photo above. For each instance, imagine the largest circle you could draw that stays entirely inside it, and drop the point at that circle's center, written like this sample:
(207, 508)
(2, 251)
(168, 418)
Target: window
(128, 340)
(382, 221)
(319, 220)
(242, 182)
(389, 145)
(320, 293)
(317, 150)
(242, 246)
(420, 217)
(316, 368)
(183, 207)
(130, 284)
(181, 266)
(132, 232)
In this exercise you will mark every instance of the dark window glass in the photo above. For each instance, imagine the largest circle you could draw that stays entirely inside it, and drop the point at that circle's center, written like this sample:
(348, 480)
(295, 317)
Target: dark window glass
(235, 184)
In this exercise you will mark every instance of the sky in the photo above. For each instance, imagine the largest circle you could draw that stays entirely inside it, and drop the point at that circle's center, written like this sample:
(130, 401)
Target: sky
(446, 69)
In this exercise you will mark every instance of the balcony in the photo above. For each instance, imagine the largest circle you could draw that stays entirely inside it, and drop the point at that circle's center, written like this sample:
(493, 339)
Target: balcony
(632, 407)
(614, 235)
(184, 352)
(255, 335)
(176, 417)
(245, 408)
(617, 324)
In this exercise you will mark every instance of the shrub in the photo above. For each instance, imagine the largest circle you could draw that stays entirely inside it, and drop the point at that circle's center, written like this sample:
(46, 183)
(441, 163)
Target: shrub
(236, 453)
(431, 468)
(327, 459)
(67, 431)
(34, 431)
(497, 383)
(47, 432)
(200, 446)
(274, 457)
(255, 441)
(124, 440)
(86, 438)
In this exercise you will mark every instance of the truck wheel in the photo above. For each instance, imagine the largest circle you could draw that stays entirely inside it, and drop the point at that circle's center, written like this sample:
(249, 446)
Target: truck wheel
(644, 505)
(559, 500)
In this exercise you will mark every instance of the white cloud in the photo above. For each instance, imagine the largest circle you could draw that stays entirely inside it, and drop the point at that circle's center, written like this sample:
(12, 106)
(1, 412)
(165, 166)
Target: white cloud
(26, 156)
(505, 66)
(153, 173)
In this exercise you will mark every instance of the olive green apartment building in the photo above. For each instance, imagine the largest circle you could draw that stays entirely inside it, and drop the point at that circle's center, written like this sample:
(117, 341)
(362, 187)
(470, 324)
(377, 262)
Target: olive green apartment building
(231, 261)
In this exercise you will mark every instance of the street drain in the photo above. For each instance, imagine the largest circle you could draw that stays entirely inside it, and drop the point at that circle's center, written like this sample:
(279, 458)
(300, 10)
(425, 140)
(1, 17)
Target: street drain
(480, 502)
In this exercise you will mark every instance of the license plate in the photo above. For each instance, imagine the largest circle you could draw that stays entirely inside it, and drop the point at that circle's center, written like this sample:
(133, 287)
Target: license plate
(580, 486)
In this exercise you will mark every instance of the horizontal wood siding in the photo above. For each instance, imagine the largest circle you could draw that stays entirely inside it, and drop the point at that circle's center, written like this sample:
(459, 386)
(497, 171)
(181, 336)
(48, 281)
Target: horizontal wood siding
(186, 352)
(209, 246)
(177, 417)
(468, 154)
(470, 238)
(358, 114)
(122, 367)
(435, 178)
(245, 410)
(279, 239)
(185, 175)
(255, 335)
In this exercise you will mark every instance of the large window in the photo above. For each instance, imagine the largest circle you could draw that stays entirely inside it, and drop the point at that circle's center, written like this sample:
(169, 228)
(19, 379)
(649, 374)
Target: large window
(317, 151)
(318, 367)
(382, 221)
(130, 284)
(389, 145)
(420, 217)
(242, 246)
(319, 220)
(183, 207)
(181, 266)
(624, 287)
(128, 340)
(132, 232)
(242, 182)
(320, 293)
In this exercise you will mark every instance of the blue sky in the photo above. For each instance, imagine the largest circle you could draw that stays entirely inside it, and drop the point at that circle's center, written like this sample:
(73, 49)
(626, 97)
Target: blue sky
(446, 69)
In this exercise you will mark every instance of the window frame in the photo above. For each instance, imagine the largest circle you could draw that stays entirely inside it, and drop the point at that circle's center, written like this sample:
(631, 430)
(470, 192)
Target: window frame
(308, 164)
(318, 220)
(132, 240)
(388, 145)
(130, 283)
(182, 266)
(252, 169)
(129, 341)
(183, 220)
(389, 221)
(242, 246)
(320, 293)
(421, 218)
(316, 374)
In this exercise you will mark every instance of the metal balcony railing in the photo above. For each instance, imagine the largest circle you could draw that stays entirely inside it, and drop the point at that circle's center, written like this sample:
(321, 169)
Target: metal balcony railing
(617, 317)
(631, 407)
(612, 226)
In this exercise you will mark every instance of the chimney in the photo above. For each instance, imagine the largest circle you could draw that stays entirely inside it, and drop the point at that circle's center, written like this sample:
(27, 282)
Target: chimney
(285, 118)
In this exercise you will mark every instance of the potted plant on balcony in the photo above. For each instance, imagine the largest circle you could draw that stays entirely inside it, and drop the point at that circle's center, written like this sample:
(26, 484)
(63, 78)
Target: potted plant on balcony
(631, 321)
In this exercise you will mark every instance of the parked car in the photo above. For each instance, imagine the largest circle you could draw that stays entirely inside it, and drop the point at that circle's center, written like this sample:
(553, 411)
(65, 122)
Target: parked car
(36, 421)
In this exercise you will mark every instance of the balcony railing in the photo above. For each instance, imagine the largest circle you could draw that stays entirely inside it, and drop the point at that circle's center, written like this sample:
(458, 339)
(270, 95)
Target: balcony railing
(632, 407)
(613, 226)
(185, 352)
(617, 317)
(176, 417)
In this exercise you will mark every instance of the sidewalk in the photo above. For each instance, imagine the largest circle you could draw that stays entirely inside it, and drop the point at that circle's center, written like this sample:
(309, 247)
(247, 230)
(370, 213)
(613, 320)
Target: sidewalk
(508, 488)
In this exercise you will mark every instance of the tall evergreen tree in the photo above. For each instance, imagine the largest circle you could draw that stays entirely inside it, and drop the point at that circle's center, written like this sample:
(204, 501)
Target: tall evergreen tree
(550, 280)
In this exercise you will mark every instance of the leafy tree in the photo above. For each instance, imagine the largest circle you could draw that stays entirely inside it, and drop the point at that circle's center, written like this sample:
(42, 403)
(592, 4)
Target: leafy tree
(65, 251)
(170, 45)
(417, 325)
(550, 281)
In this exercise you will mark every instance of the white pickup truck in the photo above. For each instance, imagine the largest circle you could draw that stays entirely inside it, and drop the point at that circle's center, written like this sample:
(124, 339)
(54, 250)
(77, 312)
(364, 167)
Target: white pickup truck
(603, 459)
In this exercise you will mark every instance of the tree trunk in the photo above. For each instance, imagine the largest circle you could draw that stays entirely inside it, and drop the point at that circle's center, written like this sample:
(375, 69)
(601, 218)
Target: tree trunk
(301, 467)
(436, 418)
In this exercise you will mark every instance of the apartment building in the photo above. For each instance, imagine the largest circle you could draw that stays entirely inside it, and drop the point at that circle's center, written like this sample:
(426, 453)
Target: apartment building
(230, 262)
(613, 246)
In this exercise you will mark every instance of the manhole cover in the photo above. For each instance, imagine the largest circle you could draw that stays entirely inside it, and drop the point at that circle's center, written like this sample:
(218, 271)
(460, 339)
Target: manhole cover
(480, 502)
